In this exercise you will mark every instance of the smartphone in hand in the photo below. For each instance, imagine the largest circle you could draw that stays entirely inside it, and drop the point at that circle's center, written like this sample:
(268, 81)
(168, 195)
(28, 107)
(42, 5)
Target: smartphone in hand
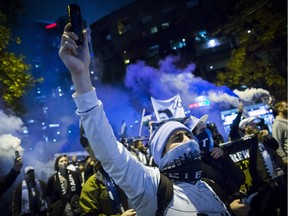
(75, 18)
(17, 154)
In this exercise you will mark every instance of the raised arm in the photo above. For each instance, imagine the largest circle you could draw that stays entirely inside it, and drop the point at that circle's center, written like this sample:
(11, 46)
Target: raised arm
(76, 59)
(127, 172)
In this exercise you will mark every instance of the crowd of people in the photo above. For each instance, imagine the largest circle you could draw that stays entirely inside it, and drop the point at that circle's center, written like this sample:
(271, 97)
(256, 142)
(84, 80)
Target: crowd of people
(180, 170)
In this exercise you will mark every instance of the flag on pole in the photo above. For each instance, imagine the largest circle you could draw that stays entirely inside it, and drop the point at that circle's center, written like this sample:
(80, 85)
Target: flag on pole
(123, 130)
(145, 118)
(168, 109)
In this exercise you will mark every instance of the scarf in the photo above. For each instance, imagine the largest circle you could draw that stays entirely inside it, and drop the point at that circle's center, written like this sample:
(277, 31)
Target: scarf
(273, 170)
(182, 163)
(69, 194)
(205, 140)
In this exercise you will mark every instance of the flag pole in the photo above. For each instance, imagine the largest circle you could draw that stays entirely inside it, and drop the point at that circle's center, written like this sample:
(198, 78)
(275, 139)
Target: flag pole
(141, 123)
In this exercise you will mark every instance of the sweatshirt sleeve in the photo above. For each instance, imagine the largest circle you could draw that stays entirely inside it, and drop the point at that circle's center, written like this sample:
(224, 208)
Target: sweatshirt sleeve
(234, 128)
(131, 175)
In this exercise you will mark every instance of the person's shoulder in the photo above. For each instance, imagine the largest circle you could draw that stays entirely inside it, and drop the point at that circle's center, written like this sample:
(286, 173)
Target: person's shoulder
(91, 179)
(92, 183)
(52, 178)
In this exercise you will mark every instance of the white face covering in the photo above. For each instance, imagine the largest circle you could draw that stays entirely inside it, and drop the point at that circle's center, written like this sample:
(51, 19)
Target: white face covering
(182, 162)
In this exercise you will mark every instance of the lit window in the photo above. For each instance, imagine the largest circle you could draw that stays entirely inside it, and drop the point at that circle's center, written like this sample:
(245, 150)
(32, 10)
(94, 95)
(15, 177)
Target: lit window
(126, 58)
(201, 36)
(153, 30)
(165, 25)
(212, 43)
(147, 19)
(177, 44)
(123, 26)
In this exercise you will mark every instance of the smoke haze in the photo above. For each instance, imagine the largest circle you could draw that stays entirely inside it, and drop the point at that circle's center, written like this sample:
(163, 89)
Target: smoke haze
(120, 103)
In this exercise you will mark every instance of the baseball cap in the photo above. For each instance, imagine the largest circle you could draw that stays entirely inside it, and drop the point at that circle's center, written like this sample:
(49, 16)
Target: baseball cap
(246, 121)
(28, 168)
(193, 121)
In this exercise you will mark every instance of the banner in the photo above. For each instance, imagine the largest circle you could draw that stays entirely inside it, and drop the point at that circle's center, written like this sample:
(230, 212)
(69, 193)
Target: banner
(238, 151)
(168, 109)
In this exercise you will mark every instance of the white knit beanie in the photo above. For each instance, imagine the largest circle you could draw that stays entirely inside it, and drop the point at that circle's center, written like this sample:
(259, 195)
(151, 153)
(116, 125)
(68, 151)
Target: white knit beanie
(160, 136)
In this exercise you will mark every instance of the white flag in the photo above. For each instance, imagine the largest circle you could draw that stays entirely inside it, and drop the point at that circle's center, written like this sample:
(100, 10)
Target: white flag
(168, 109)
(123, 130)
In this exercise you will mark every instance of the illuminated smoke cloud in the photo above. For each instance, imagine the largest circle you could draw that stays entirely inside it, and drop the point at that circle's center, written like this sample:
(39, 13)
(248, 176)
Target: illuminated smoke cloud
(11, 140)
(10, 127)
(121, 103)
(10, 123)
(167, 80)
(8, 145)
(252, 94)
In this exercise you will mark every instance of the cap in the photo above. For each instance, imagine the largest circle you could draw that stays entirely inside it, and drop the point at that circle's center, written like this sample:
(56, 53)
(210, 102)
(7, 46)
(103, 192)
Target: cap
(193, 121)
(246, 121)
(28, 168)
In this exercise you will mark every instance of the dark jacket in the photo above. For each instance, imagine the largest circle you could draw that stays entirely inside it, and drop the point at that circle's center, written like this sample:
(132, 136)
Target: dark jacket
(257, 168)
(95, 199)
(57, 200)
(8, 180)
(271, 193)
(34, 204)
(225, 173)
(235, 133)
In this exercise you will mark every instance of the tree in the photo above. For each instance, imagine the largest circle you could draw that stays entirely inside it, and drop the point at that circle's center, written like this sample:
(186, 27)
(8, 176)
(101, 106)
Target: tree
(259, 58)
(14, 77)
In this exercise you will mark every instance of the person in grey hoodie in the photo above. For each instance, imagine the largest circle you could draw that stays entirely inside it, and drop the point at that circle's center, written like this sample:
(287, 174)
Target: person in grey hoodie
(280, 130)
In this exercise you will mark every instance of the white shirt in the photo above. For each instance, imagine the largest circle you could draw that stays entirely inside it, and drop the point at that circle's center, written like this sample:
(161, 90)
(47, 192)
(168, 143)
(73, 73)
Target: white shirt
(140, 182)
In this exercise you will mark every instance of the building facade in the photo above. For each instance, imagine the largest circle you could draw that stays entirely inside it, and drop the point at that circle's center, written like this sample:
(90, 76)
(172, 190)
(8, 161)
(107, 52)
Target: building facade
(149, 30)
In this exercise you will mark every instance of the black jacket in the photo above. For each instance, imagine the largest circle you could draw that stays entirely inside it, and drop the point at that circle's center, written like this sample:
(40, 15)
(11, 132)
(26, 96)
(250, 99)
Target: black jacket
(8, 180)
(225, 173)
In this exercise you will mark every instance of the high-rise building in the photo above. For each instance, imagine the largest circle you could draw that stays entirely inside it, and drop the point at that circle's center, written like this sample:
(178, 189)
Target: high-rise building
(149, 30)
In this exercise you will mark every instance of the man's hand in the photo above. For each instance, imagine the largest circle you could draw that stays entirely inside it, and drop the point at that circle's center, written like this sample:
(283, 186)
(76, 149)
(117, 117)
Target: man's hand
(240, 107)
(216, 153)
(129, 212)
(18, 163)
(76, 59)
(238, 208)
